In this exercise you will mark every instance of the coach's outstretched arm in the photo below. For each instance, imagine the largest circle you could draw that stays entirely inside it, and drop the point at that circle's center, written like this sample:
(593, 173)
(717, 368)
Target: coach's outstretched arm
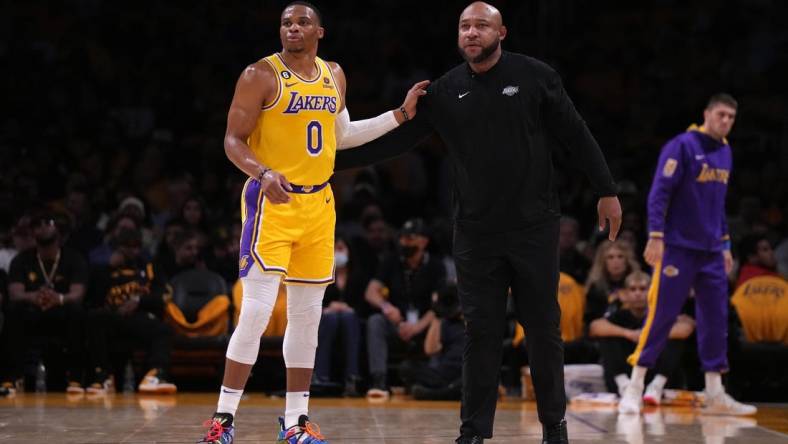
(571, 130)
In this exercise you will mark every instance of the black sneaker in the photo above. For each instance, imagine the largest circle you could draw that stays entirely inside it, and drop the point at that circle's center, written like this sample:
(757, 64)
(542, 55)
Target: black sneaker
(555, 434)
(475, 439)
(351, 387)
(449, 393)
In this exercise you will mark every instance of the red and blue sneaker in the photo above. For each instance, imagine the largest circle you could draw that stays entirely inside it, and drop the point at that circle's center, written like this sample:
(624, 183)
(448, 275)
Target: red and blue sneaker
(220, 429)
(304, 432)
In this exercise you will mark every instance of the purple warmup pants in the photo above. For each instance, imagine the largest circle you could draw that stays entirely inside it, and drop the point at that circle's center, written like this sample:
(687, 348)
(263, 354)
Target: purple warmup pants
(681, 270)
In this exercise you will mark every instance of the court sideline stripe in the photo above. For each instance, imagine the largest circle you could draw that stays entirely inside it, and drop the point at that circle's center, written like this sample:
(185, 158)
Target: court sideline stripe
(587, 422)
(773, 432)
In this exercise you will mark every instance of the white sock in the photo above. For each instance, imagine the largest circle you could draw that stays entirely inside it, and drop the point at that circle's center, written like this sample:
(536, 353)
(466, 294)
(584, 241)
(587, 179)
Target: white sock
(638, 375)
(713, 383)
(622, 381)
(658, 383)
(296, 404)
(228, 400)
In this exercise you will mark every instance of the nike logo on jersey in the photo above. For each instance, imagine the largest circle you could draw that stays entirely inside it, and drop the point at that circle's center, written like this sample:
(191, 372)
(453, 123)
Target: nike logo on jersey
(463, 95)
(328, 199)
(291, 84)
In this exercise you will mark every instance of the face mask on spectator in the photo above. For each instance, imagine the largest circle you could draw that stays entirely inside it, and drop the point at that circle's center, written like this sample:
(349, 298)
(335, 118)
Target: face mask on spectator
(340, 258)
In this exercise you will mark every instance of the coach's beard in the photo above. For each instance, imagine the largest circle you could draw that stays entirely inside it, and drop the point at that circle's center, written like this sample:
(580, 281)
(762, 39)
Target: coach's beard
(487, 51)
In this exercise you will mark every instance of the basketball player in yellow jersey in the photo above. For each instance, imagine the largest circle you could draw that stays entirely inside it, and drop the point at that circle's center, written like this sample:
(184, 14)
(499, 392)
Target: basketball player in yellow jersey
(286, 120)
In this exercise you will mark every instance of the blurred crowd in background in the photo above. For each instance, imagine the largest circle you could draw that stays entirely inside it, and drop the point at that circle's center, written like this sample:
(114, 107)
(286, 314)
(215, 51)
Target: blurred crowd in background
(114, 139)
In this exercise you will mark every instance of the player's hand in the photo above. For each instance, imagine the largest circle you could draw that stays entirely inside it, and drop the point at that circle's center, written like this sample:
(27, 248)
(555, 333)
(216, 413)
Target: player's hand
(609, 210)
(275, 187)
(655, 248)
(412, 98)
(633, 335)
(726, 254)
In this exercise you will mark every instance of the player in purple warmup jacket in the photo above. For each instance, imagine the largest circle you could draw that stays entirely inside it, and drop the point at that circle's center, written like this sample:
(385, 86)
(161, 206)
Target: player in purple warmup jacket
(689, 248)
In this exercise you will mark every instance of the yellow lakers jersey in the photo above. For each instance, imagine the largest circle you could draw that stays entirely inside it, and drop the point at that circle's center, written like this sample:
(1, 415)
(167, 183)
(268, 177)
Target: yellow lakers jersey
(294, 134)
(572, 300)
(762, 305)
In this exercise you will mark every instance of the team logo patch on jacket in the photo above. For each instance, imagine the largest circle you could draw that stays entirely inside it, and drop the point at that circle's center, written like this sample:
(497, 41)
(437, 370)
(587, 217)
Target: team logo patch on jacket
(670, 271)
(510, 90)
(669, 168)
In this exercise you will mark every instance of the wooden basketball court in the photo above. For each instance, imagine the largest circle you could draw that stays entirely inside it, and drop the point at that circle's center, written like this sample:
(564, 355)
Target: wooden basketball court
(56, 418)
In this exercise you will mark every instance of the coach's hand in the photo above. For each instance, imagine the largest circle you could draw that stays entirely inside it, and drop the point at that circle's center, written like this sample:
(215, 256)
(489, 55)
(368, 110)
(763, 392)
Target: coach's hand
(726, 254)
(275, 187)
(412, 98)
(609, 210)
(655, 248)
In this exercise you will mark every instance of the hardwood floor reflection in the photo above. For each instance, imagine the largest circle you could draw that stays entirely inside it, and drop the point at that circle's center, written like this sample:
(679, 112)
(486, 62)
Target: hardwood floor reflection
(55, 417)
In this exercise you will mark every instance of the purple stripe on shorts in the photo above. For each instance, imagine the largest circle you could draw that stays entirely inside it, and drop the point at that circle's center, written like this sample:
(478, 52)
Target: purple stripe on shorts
(250, 200)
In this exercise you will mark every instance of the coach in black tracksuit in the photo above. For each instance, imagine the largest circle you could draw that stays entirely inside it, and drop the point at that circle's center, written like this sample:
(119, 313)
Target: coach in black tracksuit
(500, 114)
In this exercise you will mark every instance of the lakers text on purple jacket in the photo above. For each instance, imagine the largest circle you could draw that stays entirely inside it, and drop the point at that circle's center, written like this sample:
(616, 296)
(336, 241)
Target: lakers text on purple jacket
(686, 205)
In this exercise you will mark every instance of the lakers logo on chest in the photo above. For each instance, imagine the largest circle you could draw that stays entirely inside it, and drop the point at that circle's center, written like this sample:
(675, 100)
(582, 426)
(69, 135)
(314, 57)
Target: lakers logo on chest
(298, 102)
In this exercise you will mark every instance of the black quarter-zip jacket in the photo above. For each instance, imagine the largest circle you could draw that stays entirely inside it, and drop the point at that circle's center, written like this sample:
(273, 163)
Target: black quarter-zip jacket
(500, 128)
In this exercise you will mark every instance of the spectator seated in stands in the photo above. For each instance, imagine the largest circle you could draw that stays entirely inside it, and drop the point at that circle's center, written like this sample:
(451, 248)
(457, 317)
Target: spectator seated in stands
(100, 255)
(180, 250)
(757, 258)
(200, 305)
(618, 330)
(339, 324)
(402, 291)
(46, 286)
(613, 262)
(130, 307)
(440, 378)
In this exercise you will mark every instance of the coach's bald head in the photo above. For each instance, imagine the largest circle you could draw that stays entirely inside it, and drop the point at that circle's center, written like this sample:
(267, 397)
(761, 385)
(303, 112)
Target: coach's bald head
(480, 33)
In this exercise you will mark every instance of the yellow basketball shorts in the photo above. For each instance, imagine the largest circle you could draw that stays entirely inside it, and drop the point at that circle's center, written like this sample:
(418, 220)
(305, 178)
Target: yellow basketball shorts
(295, 239)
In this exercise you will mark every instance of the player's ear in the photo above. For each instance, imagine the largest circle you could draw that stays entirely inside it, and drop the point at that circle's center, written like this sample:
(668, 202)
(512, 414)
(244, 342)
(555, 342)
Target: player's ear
(502, 32)
(320, 32)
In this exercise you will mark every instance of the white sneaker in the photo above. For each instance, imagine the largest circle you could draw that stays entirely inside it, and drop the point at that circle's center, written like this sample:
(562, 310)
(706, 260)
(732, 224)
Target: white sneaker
(722, 404)
(101, 388)
(74, 388)
(378, 393)
(152, 384)
(631, 402)
(653, 395)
